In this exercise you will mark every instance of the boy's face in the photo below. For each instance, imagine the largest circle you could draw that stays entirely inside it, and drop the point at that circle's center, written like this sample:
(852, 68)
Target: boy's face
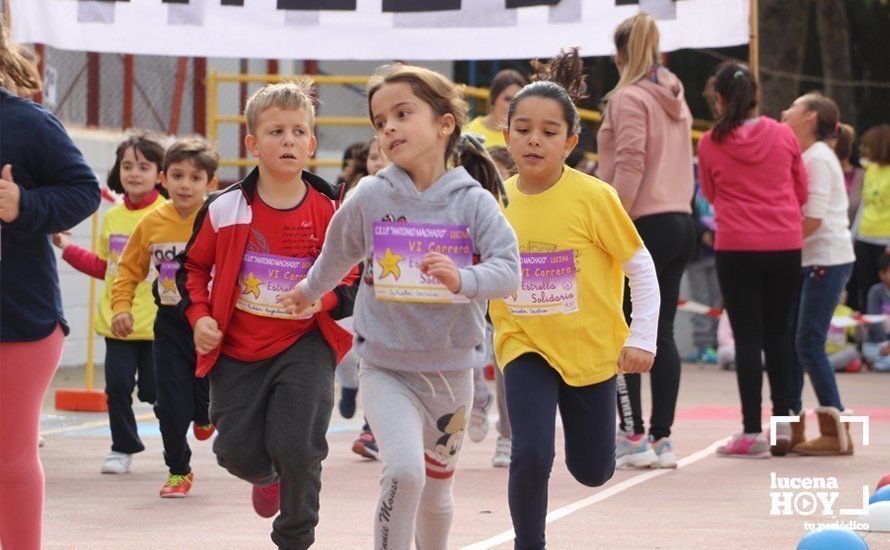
(186, 184)
(885, 276)
(282, 141)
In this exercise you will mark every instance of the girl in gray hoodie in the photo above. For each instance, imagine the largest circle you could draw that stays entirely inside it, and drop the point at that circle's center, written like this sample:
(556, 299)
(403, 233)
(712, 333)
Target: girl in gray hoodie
(437, 248)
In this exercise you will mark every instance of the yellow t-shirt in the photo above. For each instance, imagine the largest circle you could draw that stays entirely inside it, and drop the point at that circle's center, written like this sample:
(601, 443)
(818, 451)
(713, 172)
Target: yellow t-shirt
(576, 323)
(149, 255)
(117, 227)
(493, 138)
(875, 221)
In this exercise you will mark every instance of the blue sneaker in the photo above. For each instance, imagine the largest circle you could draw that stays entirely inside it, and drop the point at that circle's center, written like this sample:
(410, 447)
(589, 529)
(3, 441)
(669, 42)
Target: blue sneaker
(347, 402)
(664, 449)
(634, 454)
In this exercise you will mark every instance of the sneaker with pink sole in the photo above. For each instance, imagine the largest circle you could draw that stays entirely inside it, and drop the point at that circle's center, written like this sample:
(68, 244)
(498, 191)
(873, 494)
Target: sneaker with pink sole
(745, 446)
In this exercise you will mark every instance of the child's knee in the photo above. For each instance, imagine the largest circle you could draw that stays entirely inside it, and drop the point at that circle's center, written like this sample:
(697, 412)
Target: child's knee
(405, 477)
(531, 459)
(592, 475)
(247, 465)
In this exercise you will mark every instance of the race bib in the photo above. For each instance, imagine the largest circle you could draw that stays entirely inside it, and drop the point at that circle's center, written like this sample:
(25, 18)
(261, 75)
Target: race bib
(398, 250)
(116, 244)
(548, 285)
(167, 290)
(264, 278)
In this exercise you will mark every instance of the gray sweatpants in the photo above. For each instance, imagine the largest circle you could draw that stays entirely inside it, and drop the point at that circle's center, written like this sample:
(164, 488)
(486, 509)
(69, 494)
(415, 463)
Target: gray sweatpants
(419, 420)
(272, 418)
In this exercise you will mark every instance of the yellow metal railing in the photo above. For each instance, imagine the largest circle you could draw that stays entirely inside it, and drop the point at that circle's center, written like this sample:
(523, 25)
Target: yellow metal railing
(215, 119)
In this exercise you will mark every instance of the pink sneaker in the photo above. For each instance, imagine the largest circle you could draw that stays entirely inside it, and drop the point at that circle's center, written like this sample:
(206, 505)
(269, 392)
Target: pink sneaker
(745, 446)
(266, 500)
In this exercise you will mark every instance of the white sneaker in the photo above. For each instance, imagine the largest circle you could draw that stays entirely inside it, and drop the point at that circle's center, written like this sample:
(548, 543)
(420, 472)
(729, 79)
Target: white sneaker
(501, 457)
(634, 454)
(117, 463)
(478, 428)
(665, 451)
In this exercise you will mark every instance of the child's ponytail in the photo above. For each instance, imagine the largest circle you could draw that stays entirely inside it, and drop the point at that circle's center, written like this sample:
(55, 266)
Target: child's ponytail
(475, 159)
(562, 79)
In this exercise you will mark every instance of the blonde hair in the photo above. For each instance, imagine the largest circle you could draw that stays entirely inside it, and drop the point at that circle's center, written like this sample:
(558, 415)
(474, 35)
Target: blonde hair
(17, 73)
(636, 40)
(284, 95)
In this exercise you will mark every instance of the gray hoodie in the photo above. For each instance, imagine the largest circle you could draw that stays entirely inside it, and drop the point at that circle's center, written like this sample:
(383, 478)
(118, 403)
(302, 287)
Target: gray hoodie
(411, 336)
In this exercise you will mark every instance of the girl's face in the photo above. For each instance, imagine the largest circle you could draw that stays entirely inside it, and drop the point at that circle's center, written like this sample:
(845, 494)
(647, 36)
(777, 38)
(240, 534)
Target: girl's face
(502, 104)
(537, 137)
(138, 175)
(377, 161)
(409, 132)
(799, 118)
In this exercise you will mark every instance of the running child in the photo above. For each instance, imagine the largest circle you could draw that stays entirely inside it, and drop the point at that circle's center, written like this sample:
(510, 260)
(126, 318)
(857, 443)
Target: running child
(128, 360)
(271, 373)
(420, 313)
(189, 172)
(562, 339)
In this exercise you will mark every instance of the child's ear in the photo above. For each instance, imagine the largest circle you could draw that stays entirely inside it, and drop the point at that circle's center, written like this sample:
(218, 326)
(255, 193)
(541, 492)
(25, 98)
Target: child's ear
(447, 124)
(163, 177)
(313, 143)
(212, 184)
(571, 142)
(250, 143)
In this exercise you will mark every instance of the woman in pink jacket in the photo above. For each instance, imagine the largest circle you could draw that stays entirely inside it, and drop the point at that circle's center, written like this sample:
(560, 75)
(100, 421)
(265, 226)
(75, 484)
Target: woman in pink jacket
(751, 170)
(645, 152)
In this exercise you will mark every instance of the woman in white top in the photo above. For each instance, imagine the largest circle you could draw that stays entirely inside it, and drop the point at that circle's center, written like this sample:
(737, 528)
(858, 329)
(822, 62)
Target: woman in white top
(827, 264)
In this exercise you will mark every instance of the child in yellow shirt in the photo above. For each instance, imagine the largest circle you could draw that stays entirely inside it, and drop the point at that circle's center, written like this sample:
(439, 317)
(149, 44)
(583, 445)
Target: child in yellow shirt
(562, 339)
(128, 362)
(189, 171)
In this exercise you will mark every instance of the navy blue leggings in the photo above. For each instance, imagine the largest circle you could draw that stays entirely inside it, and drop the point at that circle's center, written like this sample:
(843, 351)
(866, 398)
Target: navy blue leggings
(534, 389)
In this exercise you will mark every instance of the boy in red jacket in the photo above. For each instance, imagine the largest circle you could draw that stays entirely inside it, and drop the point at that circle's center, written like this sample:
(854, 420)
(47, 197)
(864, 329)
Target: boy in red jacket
(271, 373)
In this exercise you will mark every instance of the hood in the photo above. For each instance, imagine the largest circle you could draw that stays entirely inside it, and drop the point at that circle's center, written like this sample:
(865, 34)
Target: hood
(751, 143)
(668, 92)
(169, 213)
(441, 191)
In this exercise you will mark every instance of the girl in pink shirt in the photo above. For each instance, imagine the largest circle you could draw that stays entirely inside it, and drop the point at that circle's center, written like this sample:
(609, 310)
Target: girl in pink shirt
(751, 171)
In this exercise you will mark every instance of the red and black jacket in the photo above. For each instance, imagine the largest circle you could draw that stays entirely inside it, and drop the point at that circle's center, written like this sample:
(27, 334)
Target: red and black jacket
(222, 228)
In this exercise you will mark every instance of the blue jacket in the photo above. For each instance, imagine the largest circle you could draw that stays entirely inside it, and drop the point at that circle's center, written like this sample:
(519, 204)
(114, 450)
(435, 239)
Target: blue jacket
(58, 191)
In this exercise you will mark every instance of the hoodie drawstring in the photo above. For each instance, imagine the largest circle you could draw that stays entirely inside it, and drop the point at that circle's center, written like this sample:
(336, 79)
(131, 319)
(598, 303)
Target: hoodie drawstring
(428, 383)
(447, 385)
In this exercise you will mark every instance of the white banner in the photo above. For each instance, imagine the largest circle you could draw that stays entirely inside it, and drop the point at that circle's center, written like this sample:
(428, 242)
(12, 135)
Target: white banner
(368, 29)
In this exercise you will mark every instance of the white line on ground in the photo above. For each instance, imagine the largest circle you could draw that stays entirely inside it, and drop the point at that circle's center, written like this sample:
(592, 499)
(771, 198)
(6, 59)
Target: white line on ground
(559, 513)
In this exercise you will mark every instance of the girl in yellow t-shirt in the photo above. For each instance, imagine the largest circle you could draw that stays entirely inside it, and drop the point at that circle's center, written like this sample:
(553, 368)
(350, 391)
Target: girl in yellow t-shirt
(562, 339)
(872, 230)
(128, 361)
(504, 87)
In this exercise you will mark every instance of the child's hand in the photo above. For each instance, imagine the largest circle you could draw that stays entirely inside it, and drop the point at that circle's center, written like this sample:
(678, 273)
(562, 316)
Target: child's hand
(634, 360)
(443, 269)
(294, 301)
(122, 324)
(207, 335)
(61, 240)
(885, 350)
(10, 196)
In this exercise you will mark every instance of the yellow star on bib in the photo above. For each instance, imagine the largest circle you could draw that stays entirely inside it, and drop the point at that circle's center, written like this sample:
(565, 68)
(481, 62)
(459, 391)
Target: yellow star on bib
(114, 257)
(390, 265)
(168, 285)
(251, 285)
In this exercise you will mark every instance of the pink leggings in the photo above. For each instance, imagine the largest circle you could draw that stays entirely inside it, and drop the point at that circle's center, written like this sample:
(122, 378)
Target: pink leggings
(26, 370)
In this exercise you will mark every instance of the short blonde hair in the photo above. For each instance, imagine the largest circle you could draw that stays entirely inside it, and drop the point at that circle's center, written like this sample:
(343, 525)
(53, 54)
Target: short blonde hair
(284, 95)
